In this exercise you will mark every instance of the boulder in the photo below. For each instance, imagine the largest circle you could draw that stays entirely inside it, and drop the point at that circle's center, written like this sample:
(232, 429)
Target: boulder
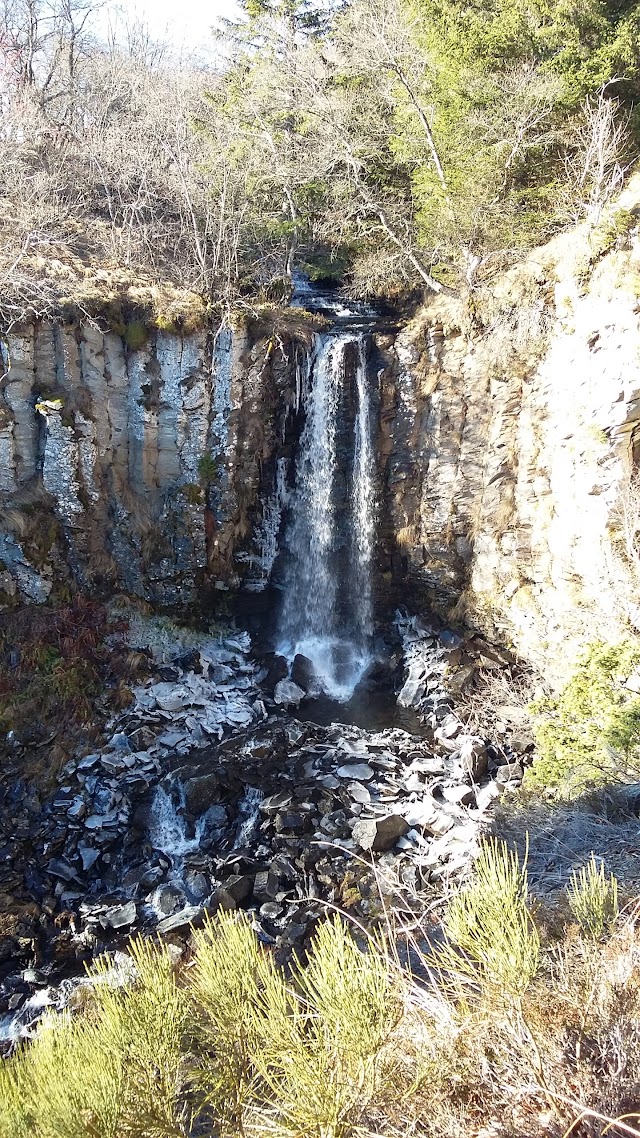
(89, 856)
(303, 672)
(359, 793)
(473, 756)
(266, 885)
(77, 810)
(233, 891)
(449, 640)
(88, 762)
(459, 795)
(189, 661)
(426, 815)
(197, 884)
(201, 793)
(167, 900)
(119, 916)
(486, 795)
(271, 910)
(181, 921)
(288, 694)
(379, 673)
(379, 834)
(449, 727)
(522, 744)
(509, 772)
(60, 867)
(490, 652)
(358, 772)
(142, 877)
(277, 668)
(290, 821)
(275, 802)
(412, 692)
(461, 680)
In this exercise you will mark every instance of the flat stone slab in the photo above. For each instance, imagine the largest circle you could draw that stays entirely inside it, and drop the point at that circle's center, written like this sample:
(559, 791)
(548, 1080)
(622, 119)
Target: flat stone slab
(359, 772)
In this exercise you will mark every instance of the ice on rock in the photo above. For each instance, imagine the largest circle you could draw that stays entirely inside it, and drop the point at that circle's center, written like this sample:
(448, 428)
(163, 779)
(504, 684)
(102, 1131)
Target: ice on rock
(424, 662)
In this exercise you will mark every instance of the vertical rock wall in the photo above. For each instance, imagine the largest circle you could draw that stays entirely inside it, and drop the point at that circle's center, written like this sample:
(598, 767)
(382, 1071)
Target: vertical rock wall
(135, 470)
(504, 459)
(507, 477)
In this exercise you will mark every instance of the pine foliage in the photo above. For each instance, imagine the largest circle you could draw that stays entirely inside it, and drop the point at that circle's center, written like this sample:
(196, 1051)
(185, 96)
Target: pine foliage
(495, 942)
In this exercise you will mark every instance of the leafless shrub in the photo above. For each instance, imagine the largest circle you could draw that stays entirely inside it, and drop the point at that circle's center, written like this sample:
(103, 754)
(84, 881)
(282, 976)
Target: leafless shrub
(595, 164)
(103, 166)
(502, 695)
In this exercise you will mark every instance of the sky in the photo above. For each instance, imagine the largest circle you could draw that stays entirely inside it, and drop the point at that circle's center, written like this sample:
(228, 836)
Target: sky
(186, 24)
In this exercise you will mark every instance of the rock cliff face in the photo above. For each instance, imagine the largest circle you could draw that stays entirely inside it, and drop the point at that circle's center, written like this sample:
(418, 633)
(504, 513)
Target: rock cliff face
(510, 457)
(135, 470)
(505, 450)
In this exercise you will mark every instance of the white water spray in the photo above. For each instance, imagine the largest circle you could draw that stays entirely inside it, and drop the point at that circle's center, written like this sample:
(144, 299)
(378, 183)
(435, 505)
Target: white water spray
(249, 815)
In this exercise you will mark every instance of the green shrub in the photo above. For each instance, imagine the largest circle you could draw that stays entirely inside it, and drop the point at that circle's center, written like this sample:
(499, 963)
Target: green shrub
(238, 1048)
(605, 235)
(233, 982)
(593, 899)
(68, 1085)
(590, 733)
(495, 942)
(136, 335)
(207, 469)
(116, 1069)
(305, 1057)
(325, 1068)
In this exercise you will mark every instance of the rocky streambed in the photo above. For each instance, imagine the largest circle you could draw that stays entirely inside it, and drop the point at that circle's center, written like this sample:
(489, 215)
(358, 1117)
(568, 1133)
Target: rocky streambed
(210, 793)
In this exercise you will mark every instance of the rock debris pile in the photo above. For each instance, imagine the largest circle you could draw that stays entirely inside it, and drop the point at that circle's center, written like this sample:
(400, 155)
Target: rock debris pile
(208, 794)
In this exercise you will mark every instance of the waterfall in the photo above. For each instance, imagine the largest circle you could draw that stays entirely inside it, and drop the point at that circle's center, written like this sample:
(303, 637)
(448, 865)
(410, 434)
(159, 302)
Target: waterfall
(363, 502)
(326, 618)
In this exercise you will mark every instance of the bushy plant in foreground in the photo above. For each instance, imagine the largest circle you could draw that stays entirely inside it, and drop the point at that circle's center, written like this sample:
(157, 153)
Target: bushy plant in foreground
(490, 924)
(114, 1070)
(593, 898)
(302, 1055)
(238, 1047)
(493, 1029)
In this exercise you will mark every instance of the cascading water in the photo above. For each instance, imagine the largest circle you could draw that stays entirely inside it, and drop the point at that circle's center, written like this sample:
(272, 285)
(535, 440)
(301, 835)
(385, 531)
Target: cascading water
(313, 620)
(363, 502)
(168, 828)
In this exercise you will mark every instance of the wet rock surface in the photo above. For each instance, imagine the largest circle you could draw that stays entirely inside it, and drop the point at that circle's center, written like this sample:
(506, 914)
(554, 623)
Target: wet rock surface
(208, 794)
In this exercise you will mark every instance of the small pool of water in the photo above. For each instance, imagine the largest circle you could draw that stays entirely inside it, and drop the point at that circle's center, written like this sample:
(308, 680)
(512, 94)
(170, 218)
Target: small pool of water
(372, 710)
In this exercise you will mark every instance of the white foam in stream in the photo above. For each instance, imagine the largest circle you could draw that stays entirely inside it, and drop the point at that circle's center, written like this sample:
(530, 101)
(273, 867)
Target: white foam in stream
(168, 829)
(249, 811)
(338, 664)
